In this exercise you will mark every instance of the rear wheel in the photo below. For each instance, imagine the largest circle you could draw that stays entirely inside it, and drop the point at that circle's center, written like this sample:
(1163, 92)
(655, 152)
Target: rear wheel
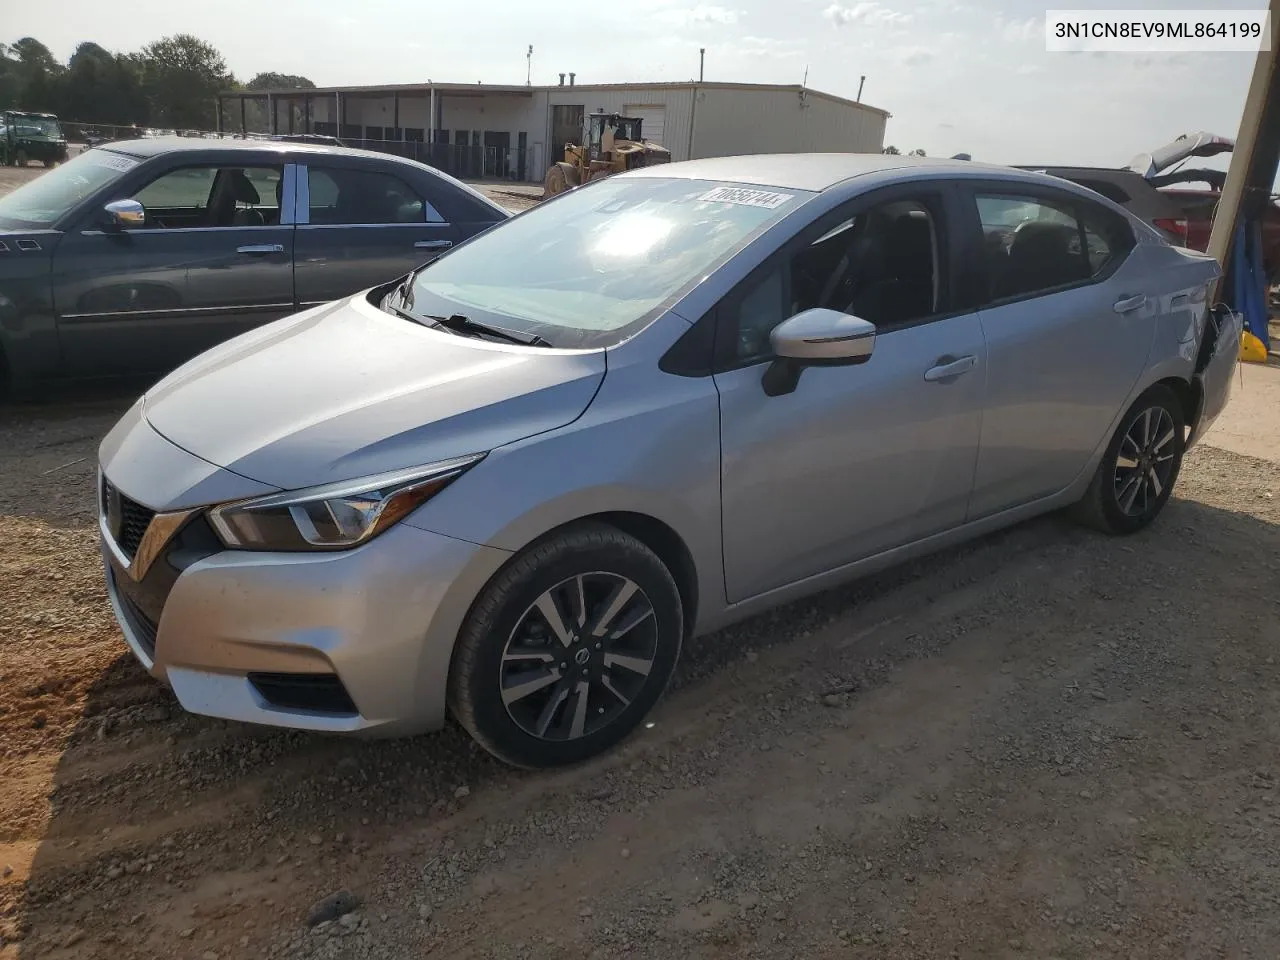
(1140, 466)
(20, 158)
(567, 649)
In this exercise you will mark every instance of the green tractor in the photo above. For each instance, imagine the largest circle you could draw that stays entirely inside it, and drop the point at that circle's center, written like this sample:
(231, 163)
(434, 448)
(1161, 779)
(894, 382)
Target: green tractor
(26, 136)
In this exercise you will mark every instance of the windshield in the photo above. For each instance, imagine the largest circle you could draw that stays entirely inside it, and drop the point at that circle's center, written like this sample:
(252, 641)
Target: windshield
(43, 127)
(49, 197)
(596, 264)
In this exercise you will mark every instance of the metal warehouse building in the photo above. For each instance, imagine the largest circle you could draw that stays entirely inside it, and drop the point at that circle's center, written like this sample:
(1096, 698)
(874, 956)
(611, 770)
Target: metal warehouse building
(516, 132)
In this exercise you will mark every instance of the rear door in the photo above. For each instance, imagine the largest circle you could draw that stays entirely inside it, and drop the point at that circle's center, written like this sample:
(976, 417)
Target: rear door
(213, 259)
(361, 224)
(1068, 315)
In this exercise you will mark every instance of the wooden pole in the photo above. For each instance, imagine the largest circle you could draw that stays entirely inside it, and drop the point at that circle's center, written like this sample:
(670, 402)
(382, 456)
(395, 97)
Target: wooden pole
(1254, 160)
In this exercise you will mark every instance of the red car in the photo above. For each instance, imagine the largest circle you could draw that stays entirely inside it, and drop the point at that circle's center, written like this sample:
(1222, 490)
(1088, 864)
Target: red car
(1198, 206)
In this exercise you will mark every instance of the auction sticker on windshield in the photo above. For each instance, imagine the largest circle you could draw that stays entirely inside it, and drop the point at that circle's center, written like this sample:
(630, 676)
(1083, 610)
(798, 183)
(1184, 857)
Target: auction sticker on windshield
(747, 198)
(116, 161)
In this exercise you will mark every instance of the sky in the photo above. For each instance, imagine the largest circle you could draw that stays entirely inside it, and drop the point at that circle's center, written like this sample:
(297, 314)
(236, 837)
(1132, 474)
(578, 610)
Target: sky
(957, 75)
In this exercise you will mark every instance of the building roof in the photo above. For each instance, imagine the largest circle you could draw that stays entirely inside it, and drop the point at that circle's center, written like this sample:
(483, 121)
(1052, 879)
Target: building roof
(481, 89)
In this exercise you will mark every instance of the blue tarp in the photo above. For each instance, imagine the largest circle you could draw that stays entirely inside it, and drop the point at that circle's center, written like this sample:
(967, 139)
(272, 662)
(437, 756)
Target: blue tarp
(1249, 280)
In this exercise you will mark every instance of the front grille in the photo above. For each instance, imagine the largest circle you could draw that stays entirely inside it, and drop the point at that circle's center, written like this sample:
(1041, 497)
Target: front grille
(143, 627)
(318, 692)
(126, 519)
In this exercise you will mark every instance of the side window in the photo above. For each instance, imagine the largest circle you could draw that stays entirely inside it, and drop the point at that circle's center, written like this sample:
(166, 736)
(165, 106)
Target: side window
(882, 265)
(1034, 245)
(210, 196)
(361, 196)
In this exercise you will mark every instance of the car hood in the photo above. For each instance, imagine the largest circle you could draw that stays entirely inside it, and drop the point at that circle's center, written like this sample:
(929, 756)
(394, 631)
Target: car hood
(347, 390)
(1200, 144)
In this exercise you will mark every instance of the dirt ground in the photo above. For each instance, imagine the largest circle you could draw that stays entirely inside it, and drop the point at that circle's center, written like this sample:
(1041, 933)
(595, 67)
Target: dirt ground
(1047, 744)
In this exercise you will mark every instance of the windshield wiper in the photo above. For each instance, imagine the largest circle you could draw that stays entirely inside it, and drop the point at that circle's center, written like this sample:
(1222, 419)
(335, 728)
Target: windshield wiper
(408, 314)
(457, 323)
(460, 324)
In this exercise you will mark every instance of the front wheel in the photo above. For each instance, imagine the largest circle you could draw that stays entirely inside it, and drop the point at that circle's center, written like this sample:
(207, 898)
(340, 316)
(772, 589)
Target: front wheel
(20, 158)
(1140, 466)
(567, 648)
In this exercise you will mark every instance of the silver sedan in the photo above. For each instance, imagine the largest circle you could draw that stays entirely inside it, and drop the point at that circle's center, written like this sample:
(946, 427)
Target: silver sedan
(512, 484)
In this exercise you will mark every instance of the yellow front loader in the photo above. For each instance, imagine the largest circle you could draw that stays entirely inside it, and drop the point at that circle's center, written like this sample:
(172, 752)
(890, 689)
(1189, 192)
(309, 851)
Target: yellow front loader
(614, 144)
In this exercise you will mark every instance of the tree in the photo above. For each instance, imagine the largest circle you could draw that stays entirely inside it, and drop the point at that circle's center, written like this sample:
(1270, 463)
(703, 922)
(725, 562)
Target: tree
(917, 152)
(182, 76)
(38, 75)
(892, 150)
(279, 81)
(10, 85)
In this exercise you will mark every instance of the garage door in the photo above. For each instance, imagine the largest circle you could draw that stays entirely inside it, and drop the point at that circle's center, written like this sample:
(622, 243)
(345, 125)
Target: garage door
(653, 118)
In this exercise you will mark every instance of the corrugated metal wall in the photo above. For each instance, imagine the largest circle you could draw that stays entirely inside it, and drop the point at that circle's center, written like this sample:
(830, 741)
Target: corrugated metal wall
(677, 100)
(730, 122)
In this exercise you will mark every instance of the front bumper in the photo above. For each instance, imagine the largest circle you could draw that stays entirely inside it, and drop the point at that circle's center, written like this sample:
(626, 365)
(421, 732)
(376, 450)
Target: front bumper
(343, 641)
(377, 623)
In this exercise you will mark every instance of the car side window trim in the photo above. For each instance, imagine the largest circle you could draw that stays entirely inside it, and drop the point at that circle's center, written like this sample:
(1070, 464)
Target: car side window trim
(972, 189)
(288, 206)
(302, 193)
(939, 196)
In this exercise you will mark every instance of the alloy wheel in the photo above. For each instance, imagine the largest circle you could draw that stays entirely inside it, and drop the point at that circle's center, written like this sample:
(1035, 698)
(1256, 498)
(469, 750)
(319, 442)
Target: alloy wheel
(578, 656)
(1145, 461)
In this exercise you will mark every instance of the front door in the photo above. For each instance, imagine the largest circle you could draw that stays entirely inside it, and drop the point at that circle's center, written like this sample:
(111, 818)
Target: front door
(363, 227)
(1068, 317)
(212, 260)
(857, 459)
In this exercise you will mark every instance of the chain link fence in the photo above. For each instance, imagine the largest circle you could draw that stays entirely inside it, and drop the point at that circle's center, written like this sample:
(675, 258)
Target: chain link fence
(471, 161)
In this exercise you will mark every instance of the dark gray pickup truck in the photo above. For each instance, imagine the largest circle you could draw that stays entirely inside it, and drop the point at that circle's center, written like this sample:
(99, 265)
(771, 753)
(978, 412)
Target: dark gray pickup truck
(135, 256)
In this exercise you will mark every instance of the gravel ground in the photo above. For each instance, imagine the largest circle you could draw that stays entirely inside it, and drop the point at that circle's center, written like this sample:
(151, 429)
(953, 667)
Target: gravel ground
(1046, 744)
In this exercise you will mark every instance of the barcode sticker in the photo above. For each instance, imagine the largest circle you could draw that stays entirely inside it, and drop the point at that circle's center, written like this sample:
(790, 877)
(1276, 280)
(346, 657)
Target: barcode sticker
(105, 158)
(747, 198)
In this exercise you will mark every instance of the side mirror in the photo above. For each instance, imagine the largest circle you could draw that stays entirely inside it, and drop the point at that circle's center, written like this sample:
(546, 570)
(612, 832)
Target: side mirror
(123, 214)
(816, 338)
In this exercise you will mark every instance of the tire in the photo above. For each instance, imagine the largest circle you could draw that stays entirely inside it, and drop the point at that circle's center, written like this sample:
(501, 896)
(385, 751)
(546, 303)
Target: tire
(518, 687)
(20, 158)
(1123, 499)
(557, 181)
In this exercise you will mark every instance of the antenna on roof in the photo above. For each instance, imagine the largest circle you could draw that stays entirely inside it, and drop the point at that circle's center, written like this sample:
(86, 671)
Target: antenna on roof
(528, 77)
(861, 80)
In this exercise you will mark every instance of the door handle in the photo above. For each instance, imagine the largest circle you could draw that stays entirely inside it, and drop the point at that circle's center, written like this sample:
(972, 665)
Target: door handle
(1128, 304)
(261, 248)
(432, 244)
(947, 368)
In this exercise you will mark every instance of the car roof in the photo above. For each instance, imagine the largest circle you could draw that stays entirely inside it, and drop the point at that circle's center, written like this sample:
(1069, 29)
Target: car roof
(814, 171)
(155, 146)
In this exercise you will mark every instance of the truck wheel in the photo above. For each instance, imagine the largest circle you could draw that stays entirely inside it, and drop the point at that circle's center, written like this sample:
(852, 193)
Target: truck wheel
(557, 182)
(20, 158)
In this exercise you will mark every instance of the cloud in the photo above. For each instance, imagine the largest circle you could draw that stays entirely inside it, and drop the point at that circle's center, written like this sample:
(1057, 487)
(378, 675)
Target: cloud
(1020, 31)
(701, 14)
(767, 46)
(870, 13)
(914, 56)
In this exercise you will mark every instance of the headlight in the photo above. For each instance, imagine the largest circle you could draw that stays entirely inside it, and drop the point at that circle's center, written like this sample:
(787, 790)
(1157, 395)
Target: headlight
(335, 516)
